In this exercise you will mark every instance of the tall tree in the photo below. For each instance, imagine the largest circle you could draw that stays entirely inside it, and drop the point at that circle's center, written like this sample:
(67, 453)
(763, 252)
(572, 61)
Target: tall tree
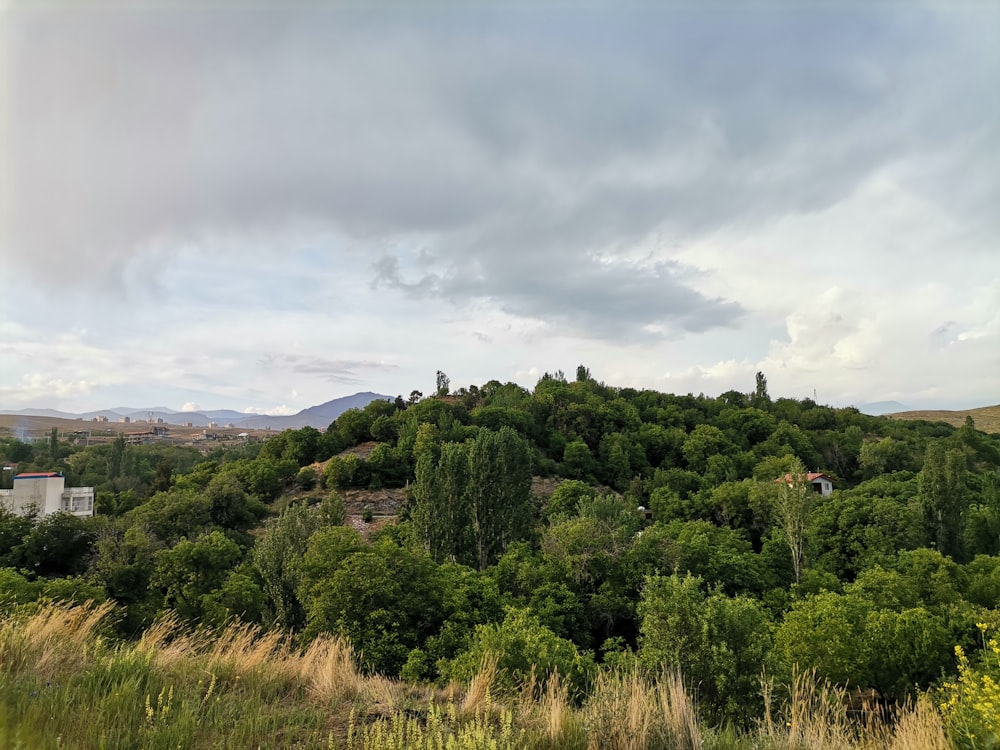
(277, 556)
(116, 461)
(791, 502)
(942, 495)
(760, 396)
(499, 491)
(442, 384)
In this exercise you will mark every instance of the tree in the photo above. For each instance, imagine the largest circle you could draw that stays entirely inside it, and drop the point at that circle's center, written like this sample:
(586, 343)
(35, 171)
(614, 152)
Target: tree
(942, 496)
(524, 648)
(825, 632)
(385, 599)
(760, 398)
(277, 556)
(791, 501)
(440, 511)
(192, 570)
(499, 491)
(116, 460)
(718, 643)
(442, 384)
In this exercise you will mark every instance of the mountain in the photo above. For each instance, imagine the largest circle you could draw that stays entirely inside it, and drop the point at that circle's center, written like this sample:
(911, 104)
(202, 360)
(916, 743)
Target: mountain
(318, 416)
(878, 408)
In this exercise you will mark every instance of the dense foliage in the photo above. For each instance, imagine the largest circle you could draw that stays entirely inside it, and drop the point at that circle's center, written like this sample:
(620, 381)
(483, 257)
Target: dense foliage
(680, 534)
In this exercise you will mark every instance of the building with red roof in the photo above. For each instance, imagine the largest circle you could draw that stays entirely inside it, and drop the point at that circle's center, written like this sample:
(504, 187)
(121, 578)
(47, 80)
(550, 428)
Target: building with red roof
(820, 482)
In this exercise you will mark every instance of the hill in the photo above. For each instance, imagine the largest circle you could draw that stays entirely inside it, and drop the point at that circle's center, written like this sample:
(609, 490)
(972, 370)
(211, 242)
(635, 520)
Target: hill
(987, 418)
(31, 421)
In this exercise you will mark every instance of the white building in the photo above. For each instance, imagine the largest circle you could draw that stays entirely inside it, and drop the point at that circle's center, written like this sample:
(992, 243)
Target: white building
(821, 484)
(46, 493)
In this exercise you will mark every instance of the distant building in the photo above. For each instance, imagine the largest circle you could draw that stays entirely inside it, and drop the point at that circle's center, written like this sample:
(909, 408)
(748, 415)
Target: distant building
(46, 493)
(124, 420)
(100, 418)
(821, 483)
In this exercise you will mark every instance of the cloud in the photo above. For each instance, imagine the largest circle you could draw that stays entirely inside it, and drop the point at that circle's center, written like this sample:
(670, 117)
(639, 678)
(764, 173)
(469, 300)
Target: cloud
(504, 151)
(345, 371)
(274, 411)
(191, 406)
(696, 190)
(34, 386)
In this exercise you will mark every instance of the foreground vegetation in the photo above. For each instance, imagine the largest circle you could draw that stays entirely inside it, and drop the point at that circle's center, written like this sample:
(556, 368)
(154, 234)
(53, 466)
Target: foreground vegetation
(558, 551)
(65, 684)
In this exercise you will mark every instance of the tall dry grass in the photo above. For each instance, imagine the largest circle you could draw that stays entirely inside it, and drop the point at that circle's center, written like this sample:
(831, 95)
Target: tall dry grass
(51, 640)
(329, 669)
(818, 716)
(626, 711)
(244, 687)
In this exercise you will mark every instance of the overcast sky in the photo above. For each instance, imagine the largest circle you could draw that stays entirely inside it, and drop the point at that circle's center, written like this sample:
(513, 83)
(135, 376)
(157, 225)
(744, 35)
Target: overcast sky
(266, 207)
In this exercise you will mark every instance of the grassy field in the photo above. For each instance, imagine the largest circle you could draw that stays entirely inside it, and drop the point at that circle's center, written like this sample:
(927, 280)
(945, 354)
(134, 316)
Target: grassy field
(65, 683)
(987, 418)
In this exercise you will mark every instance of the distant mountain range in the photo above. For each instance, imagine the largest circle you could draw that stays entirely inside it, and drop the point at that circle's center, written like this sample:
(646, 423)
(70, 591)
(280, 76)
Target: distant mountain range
(318, 416)
(878, 408)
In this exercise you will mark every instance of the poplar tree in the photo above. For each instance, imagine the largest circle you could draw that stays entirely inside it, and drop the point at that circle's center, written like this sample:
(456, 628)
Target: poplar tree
(499, 491)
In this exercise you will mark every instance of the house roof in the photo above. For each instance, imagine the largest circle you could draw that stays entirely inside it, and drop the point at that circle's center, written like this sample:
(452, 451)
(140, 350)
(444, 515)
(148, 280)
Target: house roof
(812, 476)
(38, 475)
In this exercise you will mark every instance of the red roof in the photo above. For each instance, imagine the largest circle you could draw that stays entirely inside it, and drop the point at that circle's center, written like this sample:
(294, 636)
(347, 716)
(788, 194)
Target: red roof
(38, 475)
(812, 476)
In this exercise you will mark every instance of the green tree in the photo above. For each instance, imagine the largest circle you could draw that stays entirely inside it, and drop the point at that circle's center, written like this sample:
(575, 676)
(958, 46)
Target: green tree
(577, 461)
(499, 491)
(442, 384)
(826, 632)
(792, 500)
(190, 571)
(760, 398)
(277, 558)
(385, 599)
(943, 496)
(718, 643)
(524, 647)
(116, 460)
(440, 511)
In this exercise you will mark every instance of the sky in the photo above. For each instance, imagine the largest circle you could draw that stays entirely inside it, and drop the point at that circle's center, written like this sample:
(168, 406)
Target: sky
(266, 206)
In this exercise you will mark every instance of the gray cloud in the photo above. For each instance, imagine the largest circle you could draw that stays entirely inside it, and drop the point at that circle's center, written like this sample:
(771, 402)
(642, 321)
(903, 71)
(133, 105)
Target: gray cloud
(517, 152)
(345, 371)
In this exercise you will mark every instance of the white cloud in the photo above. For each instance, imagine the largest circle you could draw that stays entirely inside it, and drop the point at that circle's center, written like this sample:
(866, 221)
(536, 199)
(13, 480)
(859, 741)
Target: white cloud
(688, 197)
(274, 411)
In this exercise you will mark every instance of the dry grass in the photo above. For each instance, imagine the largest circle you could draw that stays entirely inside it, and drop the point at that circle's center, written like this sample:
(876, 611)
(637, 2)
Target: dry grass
(329, 669)
(51, 640)
(627, 712)
(817, 717)
(921, 728)
(242, 685)
(479, 695)
(987, 418)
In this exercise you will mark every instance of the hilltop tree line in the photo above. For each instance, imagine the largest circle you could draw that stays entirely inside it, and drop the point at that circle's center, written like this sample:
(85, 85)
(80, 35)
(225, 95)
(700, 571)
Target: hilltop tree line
(666, 542)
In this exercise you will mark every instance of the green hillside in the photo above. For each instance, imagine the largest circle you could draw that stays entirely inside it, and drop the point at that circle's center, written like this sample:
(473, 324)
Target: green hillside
(522, 567)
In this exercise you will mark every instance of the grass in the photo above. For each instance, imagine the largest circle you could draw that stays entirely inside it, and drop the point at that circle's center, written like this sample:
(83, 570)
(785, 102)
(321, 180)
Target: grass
(65, 684)
(987, 418)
